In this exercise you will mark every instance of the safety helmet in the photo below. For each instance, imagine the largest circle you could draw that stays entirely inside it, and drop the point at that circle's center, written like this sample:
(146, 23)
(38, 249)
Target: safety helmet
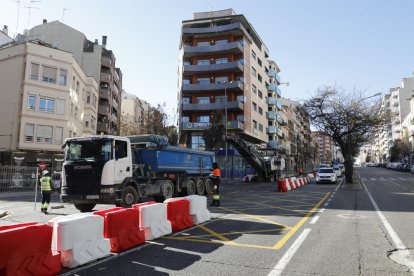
(45, 172)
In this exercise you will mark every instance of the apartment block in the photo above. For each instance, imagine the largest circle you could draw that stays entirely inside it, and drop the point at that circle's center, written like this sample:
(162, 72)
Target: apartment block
(225, 70)
(136, 115)
(46, 97)
(96, 61)
(326, 147)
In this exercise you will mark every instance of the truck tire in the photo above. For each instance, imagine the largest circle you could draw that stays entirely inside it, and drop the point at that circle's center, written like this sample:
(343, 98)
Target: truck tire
(190, 187)
(129, 197)
(167, 190)
(209, 186)
(200, 187)
(84, 207)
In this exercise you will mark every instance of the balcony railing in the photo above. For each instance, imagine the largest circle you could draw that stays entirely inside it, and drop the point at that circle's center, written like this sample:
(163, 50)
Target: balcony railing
(271, 130)
(271, 115)
(229, 48)
(236, 86)
(104, 110)
(105, 77)
(106, 62)
(104, 127)
(271, 101)
(104, 93)
(235, 66)
(232, 105)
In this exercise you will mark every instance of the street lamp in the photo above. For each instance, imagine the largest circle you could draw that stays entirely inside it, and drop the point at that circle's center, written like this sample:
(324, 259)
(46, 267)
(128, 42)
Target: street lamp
(225, 115)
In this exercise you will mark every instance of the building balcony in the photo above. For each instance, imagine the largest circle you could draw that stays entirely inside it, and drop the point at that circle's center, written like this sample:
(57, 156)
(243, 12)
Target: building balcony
(231, 105)
(279, 132)
(271, 73)
(277, 78)
(103, 110)
(107, 62)
(235, 66)
(271, 130)
(271, 115)
(104, 94)
(115, 104)
(233, 28)
(236, 125)
(281, 120)
(105, 77)
(229, 48)
(202, 88)
(102, 127)
(114, 119)
(271, 101)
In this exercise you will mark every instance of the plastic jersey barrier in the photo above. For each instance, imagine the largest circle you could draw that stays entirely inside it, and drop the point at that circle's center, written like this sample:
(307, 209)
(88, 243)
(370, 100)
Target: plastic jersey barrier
(178, 212)
(121, 227)
(79, 238)
(153, 219)
(26, 250)
(198, 208)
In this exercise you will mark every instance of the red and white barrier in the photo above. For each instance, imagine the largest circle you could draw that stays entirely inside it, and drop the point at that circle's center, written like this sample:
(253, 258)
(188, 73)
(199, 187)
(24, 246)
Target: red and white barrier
(79, 238)
(153, 219)
(25, 249)
(198, 208)
(121, 227)
(178, 212)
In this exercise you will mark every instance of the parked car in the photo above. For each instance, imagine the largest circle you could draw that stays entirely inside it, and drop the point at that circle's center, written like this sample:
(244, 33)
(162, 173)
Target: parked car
(342, 167)
(326, 175)
(338, 171)
(404, 168)
(412, 169)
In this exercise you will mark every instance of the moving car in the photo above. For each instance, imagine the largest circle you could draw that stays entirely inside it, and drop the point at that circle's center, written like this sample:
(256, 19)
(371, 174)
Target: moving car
(326, 175)
(338, 171)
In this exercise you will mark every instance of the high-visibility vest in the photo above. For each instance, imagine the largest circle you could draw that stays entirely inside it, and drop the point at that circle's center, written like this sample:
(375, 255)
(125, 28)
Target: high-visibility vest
(45, 183)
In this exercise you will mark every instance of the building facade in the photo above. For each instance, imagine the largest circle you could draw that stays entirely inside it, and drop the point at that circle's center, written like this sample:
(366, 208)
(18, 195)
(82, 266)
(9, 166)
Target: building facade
(225, 76)
(4, 36)
(46, 97)
(136, 115)
(96, 61)
(326, 147)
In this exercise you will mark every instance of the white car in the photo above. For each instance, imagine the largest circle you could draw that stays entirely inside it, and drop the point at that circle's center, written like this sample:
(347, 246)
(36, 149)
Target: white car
(342, 167)
(338, 171)
(326, 175)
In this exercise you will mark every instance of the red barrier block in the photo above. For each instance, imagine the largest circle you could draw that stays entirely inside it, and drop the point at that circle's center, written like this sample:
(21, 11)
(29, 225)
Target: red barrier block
(26, 250)
(121, 227)
(178, 212)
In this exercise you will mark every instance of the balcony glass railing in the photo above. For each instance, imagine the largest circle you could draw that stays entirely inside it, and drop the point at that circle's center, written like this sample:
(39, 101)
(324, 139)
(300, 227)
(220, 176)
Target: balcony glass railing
(271, 101)
(271, 130)
(271, 115)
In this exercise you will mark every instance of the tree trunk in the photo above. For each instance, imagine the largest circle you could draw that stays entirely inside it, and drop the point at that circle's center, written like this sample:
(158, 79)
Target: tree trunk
(349, 170)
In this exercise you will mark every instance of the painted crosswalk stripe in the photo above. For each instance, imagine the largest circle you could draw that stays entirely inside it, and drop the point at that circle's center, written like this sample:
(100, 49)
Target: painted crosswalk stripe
(373, 178)
(382, 178)
(403, 178)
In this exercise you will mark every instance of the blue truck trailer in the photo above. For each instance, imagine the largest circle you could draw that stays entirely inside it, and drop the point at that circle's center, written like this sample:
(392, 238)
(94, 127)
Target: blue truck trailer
(118, 170)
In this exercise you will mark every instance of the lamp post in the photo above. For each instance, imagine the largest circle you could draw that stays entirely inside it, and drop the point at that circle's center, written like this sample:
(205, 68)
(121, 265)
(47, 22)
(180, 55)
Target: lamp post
(225, 122)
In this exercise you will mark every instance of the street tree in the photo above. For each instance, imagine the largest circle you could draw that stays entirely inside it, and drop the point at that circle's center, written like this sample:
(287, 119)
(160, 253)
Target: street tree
(346, 116)
(400, 150)
(214, 136)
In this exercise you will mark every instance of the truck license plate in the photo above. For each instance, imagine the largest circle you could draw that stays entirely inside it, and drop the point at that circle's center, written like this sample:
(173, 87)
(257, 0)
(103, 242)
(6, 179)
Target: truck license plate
(92, 197)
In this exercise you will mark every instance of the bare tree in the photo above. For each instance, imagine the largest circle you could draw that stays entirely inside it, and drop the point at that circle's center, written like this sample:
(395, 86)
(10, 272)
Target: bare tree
(348, 117)
(214, 136)
(400, 150)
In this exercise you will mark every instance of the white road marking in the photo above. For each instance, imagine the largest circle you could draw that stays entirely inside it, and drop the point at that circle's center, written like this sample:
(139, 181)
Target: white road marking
(399, 245)
(382, 178)
(402, 178)
(322, 210)
(326, 204)
(373, 178)
(392, 178)
(314, 220)
(284, 261)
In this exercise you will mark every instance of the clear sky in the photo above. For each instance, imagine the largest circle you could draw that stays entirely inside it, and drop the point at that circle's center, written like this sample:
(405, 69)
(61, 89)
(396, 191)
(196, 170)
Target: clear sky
(366, 44)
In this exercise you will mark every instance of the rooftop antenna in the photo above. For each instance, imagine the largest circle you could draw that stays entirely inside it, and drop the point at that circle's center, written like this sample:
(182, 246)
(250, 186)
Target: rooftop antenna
(30, 7)
(211, 6)
(18, 16)
(63, 13)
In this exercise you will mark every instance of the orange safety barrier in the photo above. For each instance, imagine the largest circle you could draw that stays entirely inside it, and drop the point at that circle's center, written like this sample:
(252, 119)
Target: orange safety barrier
(178, 212)
(121, 227)
(26, 250)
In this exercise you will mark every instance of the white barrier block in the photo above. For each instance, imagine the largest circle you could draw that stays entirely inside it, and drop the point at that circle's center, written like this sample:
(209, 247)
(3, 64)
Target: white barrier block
(79, 238)
(154, 221)
(198, 208)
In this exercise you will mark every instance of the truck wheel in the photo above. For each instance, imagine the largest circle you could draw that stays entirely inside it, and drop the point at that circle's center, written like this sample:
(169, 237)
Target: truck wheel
(84, 207)
(167, 190)
(190, 187)
(129, 197)
(200, 187)
(209, 186)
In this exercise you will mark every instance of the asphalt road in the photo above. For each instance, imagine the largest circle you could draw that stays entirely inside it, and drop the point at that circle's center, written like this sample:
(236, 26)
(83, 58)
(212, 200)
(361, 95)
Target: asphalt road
(324, 229)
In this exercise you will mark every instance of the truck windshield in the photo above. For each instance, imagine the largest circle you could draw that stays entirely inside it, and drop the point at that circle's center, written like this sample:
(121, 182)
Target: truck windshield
(91, 150)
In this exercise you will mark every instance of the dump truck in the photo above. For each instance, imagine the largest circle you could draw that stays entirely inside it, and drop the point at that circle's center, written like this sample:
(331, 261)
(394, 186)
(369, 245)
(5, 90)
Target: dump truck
(118, 170)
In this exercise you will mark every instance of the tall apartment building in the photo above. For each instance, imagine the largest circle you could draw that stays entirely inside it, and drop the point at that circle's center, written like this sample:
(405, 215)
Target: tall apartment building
(46, 97)
(225, 69)
(136, 115)
(326, 147)
(96, 61)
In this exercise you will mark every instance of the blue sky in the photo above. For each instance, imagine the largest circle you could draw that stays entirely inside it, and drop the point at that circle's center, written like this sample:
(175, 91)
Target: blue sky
(351, 43)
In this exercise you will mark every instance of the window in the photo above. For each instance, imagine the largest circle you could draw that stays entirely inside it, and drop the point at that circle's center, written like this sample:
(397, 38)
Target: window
(63, 77)
(93, 123)
(49, 74)
(259, 77)
(94, 101)
(185, 81)
(254, 124)
(185, 119)
(74, 83)
(77, 86)
(254, 89)
(203, 81)
(44, 134)
(203, 119)
(221, 79)
(47, 105)
(186, 62)
(186, 100)
(60, 106)
(71, 109)
(221, 41)
(203, 100)
(31, 102)
(203, 43)
(34, 71)
(260, 110)
(197, 142)
(220, 99)
(222, 60)
(254, 107)
(253, 55)
(259, 61)
(28, 132)
(240, 118)
(203, 62)
(121, 149)
(57, 138)
(254, 72)
(86, 123)
(260, 127)
(260, 94)
(56, 44)
(75, 115)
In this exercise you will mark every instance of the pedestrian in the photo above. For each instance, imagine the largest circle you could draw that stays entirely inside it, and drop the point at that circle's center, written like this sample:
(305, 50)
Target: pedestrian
(47, 188)
(216, 182)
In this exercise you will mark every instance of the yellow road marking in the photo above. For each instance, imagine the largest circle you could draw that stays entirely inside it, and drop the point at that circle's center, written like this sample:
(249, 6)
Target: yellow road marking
(230, 233)
(295, 228)
(269, 206)
(215, 234)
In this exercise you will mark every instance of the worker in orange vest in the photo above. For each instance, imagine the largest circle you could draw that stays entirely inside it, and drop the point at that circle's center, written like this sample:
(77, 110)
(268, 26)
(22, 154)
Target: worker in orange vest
(216, 182)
